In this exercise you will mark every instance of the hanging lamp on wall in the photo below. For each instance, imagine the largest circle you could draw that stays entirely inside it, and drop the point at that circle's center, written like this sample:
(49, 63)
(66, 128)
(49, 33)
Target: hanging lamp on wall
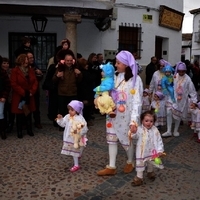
(39, 22)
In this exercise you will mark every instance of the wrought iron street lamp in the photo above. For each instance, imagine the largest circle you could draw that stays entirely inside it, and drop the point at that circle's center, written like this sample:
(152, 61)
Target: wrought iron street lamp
(39, 22)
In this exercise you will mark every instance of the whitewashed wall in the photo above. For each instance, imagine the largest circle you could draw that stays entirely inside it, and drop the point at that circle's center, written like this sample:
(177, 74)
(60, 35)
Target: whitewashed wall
(90, 39)
(195, 45)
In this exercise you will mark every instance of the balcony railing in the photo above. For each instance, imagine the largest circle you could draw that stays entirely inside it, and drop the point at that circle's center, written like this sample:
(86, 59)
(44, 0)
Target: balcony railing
(197, 37)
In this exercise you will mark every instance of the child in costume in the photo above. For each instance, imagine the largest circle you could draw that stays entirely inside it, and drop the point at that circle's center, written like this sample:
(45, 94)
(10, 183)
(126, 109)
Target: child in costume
(167, 82)
(103, 101)
(74, 137)
(149, 148)
(195, 123)
(178, 110)
(146, 100)
(158, 106)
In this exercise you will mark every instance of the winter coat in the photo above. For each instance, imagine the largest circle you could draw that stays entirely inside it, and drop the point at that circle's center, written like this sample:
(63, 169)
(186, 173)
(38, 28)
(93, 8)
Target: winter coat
(20, 86)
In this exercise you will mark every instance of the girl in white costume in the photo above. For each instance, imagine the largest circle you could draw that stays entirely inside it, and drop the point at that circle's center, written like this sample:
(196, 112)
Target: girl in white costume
(183, 87)
(149, 148)
(128, 99)
(155, 84)
(195, 125)
(75, 114)
(146, 102)
(158, 105)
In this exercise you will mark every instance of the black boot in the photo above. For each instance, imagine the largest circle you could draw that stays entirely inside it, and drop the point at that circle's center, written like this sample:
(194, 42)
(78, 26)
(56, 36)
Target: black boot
(2, 129)
(29, 125)
(19, 118)
(9, 128)
(10, 123)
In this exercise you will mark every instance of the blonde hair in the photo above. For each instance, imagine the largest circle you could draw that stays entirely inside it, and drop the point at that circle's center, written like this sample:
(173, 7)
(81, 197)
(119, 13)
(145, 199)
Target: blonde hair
(20, 60)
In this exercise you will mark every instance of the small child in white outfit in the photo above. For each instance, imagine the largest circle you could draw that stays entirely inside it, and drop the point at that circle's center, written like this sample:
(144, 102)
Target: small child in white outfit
(158, 106)
(74, 137)
(149, 147)
(195, 123)
(146, 100)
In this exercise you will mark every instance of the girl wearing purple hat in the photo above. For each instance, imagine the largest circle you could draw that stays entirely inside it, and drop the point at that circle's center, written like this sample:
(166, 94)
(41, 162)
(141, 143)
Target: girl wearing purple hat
(74, 117)
(146, 101)
(127, 96)
(158, 105)
(183, 87)
(155, 84)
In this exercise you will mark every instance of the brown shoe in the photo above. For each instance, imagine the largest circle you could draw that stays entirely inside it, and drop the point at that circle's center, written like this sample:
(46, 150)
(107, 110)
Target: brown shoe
(128, 168)
(107, 171)
(151, 176)
(137, 181)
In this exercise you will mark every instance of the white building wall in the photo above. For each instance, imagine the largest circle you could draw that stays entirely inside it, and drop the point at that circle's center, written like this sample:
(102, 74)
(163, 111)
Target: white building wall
(196, 45)
(90, 39)
(130, 13)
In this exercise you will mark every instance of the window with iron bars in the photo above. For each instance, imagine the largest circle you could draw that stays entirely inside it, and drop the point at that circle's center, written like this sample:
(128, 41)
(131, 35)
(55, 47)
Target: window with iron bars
(42, 44)
(130, 39)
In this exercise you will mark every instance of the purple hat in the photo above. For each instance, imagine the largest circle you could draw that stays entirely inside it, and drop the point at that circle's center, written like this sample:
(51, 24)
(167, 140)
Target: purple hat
(180, 66)
(77, 106)
(164, 62)
(146, 90)
(127, 59)
(160, 95)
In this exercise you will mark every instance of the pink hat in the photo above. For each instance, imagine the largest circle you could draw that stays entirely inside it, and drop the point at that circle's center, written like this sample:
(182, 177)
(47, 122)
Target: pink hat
(77, 106)
(127, 59)
(160, 95)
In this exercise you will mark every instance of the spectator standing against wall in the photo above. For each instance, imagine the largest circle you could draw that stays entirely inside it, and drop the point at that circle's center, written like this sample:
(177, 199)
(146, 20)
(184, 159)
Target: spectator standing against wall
(4, 93)
(39, 76)
(66, 81)
(24, 48)
(150, 69)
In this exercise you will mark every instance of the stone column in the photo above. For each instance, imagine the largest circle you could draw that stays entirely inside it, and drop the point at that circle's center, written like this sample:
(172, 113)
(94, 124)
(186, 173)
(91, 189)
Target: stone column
(71, 21)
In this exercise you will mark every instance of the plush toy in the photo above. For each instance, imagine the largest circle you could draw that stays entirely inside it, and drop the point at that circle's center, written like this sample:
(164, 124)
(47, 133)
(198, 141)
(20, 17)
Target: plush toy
(105, 104)
(75, 131)
(103, 101)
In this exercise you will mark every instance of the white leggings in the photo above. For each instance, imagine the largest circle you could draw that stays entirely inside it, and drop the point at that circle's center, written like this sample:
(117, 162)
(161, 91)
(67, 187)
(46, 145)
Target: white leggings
(112, 148)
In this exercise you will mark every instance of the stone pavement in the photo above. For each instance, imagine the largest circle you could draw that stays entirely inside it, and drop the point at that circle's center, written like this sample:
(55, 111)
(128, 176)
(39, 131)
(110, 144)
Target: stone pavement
(33, 168)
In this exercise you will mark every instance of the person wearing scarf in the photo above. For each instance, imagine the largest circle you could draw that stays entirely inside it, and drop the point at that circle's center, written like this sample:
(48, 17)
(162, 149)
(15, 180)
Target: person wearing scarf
(127, 95)
(183, 88)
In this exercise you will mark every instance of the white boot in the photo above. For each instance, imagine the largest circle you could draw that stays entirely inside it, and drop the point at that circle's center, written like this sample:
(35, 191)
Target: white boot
(169, 124)
(177, 123)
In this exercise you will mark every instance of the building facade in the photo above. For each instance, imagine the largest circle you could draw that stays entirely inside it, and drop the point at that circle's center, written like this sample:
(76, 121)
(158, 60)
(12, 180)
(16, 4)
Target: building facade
(146, 27)
(196, 35)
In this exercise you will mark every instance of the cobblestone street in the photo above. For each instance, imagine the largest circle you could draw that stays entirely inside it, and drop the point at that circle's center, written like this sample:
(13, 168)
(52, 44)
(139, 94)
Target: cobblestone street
(33, 168)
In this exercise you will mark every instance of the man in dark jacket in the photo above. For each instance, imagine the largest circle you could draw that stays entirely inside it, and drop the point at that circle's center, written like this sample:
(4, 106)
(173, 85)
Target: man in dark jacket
(150, 69)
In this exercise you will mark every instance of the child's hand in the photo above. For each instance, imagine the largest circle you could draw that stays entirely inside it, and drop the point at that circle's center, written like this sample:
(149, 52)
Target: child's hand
(161, 154)
(133, 128)
(77, 71)
(192, 106)
(59, 116)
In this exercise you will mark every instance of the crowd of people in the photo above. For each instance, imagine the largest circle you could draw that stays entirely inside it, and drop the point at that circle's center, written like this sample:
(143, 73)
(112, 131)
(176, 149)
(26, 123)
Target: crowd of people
(72, 83)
